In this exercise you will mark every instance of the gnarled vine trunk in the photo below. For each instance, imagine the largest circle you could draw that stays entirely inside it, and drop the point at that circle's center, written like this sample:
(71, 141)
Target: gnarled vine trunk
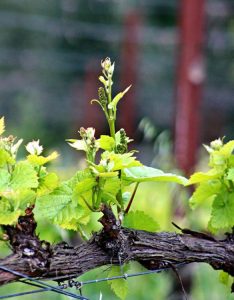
(113, 245)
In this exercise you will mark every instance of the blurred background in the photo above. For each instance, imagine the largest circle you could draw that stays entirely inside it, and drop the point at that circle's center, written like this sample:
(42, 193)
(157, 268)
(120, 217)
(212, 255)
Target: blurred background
(179, 57)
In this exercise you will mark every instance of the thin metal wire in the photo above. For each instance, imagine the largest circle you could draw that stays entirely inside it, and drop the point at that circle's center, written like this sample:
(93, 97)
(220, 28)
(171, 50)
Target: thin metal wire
(124, 276)
(40, 284)
(24, 293)
(80, 284)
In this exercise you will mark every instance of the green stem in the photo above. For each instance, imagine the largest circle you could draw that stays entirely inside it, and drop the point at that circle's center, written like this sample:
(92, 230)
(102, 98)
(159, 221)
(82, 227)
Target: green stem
(111, 118)
(111, 123)
(132, 197)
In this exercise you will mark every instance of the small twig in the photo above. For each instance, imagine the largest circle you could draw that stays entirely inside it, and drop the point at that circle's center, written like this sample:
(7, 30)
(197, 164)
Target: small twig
(173, 267)
(131, 200)
(195, 233)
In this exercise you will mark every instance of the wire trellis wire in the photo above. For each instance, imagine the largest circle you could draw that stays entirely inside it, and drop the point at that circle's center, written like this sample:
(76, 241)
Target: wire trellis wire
(41, 284)
(72, 283)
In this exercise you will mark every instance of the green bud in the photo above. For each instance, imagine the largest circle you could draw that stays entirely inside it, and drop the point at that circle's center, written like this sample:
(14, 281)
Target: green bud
(123, 136)
(121, 149)
(102, 96)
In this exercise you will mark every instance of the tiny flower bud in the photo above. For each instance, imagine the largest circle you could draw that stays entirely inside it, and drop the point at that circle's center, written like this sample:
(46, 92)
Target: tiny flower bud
(106, 64)
(34, 147)
(82, 132)
(216, 144)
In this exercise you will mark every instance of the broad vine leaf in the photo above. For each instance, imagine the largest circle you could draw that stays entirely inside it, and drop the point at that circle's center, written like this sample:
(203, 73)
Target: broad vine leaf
(224, 277)
(49, 206)
(20, 198)
(70, 216)
(47, 184)
(126, 160)
(203, 176)
(112, 185)
(2, 125)
(107, 143)
(4, 179)
(114, 162)
(222, 215)
(218, 161)
(204, 191)
(41, 160)
(227, 148)
(141, 221)
(26, 197)
(143, 173)
(60, 209)
(79, 177)
(109, 188)
(8, 215)
(119, 286)
(230, 175)
(5, 158)
(24, 176)
(84, 186)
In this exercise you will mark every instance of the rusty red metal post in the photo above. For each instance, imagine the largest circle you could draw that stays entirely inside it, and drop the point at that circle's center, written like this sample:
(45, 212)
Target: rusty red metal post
(190, 78)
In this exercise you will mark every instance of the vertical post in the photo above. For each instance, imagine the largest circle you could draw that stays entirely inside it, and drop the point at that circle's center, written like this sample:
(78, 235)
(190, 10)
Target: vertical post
(190, 77)
(128, 74)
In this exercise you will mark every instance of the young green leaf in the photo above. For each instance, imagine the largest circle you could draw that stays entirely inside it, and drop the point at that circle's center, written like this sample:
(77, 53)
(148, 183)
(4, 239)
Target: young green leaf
(118, 97)
(106, 143)
(5, 158)
(79, 177)
(109, 187)
(230, 175)
(41, 160)
(47, 184)
(60, 208)
(24, 176)
(8, 214)
(114, 162)
(21, 198)
(227, 148)
(49, 206)
(204, 191)
(4, 179)
(224, 277)
(71, 216)
(141, 221)
(201, 176)
(222, 215)
(84, 186)
(119, 286)
(143, 173)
